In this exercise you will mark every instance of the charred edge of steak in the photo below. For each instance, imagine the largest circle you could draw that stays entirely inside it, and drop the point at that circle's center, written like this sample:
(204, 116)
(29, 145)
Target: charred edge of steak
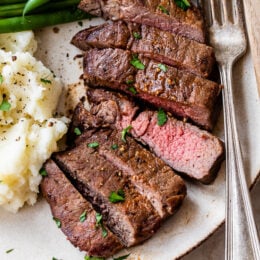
(67, 205)
(178, 92)
(165, 47)
(188, 23)
(202, 163)
(133, 220)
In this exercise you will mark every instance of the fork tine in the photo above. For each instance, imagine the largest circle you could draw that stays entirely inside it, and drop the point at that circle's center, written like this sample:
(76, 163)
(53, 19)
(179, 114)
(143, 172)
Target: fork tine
(212, 10)
(224, 9)
(200, 3)
(237, 12)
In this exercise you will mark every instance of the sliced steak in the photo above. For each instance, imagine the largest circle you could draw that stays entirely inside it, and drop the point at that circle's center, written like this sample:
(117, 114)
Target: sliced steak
(132, 220)
(184, 147)
(175, 50)
(149, 174)
(67, 205)
(165, 15)
(194, 151)
(153, 43)
(107, 35)
(176, 91)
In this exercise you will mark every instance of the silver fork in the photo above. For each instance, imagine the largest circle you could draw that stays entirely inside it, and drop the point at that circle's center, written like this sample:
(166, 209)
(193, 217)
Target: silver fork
(228, 39)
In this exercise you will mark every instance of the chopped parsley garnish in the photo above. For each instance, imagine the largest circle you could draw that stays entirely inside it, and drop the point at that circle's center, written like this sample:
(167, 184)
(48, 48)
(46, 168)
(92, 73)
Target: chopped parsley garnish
(83, 216)
(163, 9)
(93, 258)
(1, 79)
(132, 90)
(93, 145)
(43, 172)
(125, 132)
(137, 63)
(100, 224)
(57, 221)
(46, 81)
(9, 250)
(129, 82)
(123, 257)
(162, 67)
(137, 35)
(80, 23)
(104, 231)
(54, 258)
(183, 4)
(77, 131)
(161, 117)
(131, 87)
(101, 258)
(114, 146)
(5, 105)
(118, 196)
(98, 219)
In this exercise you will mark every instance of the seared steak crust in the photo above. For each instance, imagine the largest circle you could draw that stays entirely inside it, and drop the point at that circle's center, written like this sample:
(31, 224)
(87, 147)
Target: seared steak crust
(165, 15)
(133, 220)
(176, 91)
(153, 43)
(67, 204)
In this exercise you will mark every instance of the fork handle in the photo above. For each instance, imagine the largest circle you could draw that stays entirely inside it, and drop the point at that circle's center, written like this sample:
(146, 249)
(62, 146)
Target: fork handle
(241, 234)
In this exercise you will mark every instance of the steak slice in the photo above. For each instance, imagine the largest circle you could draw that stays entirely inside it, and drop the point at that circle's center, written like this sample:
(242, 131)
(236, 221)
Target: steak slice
(132, 220)
(165, 47)
(108, 35)
(67, 205)
(194, 151)
(150, 175)
(165, 15)
(181, 93)
(184, 147)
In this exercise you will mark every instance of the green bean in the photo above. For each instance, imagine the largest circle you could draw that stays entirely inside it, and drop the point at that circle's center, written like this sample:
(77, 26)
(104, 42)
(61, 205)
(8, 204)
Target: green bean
(8, 2)
(17, 9)
(33, 4)
(11, 10)
(31, 22)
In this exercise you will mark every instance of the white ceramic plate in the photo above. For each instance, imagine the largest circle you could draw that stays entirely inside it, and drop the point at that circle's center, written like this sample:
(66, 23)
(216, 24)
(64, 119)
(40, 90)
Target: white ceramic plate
(33, 234)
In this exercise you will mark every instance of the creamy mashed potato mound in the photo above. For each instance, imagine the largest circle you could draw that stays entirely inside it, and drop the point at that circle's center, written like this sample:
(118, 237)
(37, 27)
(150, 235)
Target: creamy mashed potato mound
(29, 94)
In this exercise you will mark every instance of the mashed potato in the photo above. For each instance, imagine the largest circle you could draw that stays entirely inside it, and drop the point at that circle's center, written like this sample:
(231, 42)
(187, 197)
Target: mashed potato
(29, 94)
(18, 42)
